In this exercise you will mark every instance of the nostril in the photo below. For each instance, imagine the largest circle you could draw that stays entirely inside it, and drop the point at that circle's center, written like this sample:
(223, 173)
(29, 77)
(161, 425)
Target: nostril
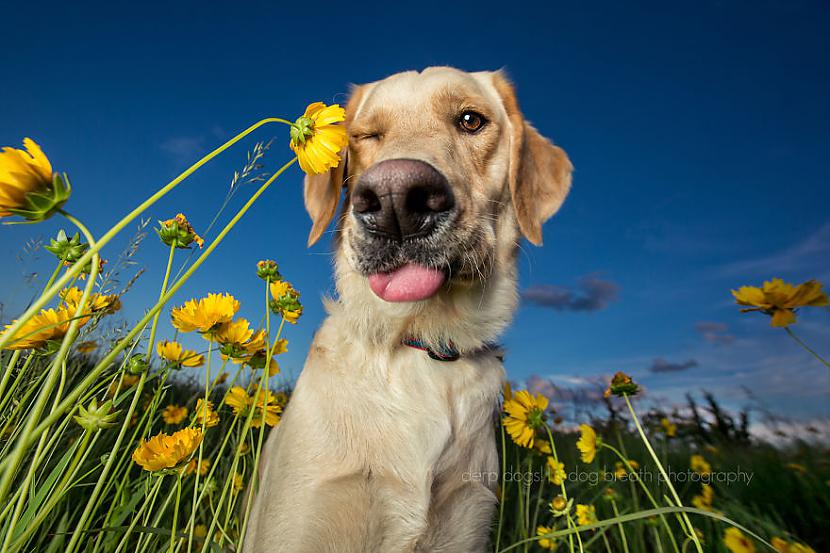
(365, 200)
(429, 199)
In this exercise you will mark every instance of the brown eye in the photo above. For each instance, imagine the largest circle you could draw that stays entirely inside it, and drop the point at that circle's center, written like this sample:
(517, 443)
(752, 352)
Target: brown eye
(471, 121)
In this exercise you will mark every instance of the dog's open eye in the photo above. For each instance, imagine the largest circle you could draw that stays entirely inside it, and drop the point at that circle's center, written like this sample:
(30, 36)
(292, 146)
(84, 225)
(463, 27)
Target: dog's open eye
(471, 121)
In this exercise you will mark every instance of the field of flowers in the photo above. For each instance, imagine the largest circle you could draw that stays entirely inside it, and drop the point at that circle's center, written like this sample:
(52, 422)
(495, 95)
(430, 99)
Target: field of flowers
(106, 447)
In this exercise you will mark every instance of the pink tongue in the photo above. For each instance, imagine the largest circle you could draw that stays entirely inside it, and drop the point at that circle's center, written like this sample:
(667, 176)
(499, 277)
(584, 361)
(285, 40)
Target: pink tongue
(408, 283)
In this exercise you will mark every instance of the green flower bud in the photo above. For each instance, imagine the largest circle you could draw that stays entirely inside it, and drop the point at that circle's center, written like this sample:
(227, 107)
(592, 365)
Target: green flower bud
(622, 385)
(42, 204)
(178, 232)
(65, 248)
(301, 129)
(94, 417)
(268, 271)
(137, 364)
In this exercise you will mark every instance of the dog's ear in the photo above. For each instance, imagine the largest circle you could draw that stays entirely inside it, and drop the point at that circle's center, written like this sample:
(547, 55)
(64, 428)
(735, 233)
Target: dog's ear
(322, 192)
(539, 173)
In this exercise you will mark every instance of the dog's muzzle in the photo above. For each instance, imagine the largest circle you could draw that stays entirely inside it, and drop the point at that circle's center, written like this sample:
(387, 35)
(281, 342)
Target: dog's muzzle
(399, 204)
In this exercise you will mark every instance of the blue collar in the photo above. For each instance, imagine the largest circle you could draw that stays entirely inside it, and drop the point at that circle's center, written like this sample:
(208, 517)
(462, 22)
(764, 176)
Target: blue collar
(446, 352)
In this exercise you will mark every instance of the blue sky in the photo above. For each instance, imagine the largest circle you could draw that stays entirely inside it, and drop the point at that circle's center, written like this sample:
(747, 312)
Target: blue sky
(700, 133)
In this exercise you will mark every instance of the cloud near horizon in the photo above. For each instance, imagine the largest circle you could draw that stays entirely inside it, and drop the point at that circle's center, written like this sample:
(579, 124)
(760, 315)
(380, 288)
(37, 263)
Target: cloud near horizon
(661, 365)
(591, 293)
(715, 333)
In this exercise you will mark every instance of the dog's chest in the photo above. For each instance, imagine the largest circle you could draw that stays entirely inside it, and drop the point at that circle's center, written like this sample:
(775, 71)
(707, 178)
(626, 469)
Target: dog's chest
(406, 415)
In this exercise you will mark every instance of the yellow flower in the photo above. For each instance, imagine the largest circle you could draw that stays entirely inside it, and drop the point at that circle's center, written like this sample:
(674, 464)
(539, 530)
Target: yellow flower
(46, 326)
(204, 466)
(586, 514)
(736, 542)
(200, 531)
(669, 428)
(705, 499)
(587, 443)
(257, 358)
(87, 347)
(174, 414)
(699, 465)
(556, 471)
(166, 452)
(317, 139)
(621, 471)
(790, 547)
(525, 414)
(780, 299)
(204, 414)
(541, 445)
(126, 381)
(28, 187)
(96, 303)
(205, 314)
(281, 398)
(286, 301)
(241, 403)
(560, 506)
(238, 483)
(172, 352)
(797, 467)
(545, 543)
(238, 342)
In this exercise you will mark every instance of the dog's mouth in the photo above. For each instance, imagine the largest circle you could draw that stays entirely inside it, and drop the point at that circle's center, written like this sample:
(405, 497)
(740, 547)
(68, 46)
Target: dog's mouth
(408, 283)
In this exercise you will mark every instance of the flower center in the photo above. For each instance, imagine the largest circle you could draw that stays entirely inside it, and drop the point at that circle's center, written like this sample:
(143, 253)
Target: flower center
(535, 418)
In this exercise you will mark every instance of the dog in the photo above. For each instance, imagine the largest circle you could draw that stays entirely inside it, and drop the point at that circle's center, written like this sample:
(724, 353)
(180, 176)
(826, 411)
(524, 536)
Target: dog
(388, 442)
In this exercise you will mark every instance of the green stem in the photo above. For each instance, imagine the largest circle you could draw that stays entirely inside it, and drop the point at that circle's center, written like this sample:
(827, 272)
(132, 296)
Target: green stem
(622, 530)
(254, 480)
(27, 437)
(503, 490)
(176, 511)
(691, 531)
(52, 278)
(110, 234)
(6, 396)
(640, 515)
(204, 415)
(8, 372)
(57, 494)
(151, 499)
(102, 365)
(153, 326)
(102, 478)
(805, 346)
(645, 489)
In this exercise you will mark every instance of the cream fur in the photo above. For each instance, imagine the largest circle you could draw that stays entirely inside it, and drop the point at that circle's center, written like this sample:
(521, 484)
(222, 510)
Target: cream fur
(381, 448)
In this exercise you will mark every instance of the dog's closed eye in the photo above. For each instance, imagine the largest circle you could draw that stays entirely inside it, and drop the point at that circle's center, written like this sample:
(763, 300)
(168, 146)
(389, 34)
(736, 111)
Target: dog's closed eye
(360, 136)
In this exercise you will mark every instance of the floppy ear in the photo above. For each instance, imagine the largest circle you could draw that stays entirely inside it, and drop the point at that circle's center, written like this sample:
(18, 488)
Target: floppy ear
(321, 195)
(322, 192)
(539, 173)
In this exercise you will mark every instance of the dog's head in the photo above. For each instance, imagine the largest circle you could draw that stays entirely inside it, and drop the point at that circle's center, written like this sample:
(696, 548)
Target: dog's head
(441, 174)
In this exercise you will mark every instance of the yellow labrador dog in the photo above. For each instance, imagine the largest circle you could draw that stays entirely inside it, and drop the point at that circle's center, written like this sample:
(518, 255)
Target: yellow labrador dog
(388, 444)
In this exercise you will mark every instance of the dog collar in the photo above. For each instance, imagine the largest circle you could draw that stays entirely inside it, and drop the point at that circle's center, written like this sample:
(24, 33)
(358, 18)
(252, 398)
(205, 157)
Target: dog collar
(446, 352)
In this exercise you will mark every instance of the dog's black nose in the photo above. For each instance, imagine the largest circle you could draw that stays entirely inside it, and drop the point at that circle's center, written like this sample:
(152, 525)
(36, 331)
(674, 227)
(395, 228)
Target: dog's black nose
(402, 198)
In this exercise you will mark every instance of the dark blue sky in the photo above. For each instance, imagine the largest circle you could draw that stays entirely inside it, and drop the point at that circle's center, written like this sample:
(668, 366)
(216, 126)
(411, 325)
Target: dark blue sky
(700, 133)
